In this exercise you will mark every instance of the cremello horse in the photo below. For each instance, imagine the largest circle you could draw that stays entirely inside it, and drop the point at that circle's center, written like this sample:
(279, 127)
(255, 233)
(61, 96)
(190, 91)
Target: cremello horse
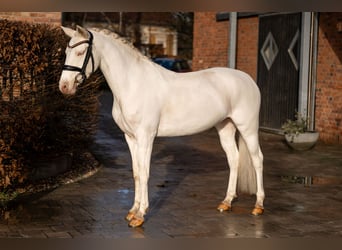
(151, 101)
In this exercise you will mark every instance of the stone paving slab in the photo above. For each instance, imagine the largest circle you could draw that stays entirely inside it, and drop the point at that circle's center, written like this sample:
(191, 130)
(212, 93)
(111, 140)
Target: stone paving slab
(188, 179)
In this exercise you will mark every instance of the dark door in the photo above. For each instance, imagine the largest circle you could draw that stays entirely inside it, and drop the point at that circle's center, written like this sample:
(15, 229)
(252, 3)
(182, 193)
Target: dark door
(278, 67)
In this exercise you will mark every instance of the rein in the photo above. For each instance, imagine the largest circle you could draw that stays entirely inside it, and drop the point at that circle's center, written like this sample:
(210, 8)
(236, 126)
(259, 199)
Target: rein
(81, 76)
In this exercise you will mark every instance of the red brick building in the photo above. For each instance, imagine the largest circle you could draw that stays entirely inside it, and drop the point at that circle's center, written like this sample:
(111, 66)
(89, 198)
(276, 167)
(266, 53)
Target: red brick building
(295, 58)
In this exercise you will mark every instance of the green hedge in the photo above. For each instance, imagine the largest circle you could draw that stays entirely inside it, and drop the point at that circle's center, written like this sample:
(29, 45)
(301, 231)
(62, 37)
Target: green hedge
(35, 118)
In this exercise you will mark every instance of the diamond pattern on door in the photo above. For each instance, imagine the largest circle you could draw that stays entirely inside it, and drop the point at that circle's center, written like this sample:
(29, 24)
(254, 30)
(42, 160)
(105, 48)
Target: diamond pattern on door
(269, 50)
(292, 48)
(278, 67)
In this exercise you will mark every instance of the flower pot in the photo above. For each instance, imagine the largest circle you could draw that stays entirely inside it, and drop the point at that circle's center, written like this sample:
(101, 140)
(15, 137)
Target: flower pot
(302, 141)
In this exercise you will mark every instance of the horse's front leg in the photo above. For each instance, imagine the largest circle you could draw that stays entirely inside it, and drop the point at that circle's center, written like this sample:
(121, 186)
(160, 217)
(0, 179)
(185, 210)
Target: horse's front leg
(132, 145)
(141, 158)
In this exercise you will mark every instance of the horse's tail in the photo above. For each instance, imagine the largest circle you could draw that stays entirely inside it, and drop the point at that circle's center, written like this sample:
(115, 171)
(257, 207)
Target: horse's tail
(246, 182)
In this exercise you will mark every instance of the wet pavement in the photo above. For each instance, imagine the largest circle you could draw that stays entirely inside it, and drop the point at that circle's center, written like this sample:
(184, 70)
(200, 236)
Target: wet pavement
(188, 180)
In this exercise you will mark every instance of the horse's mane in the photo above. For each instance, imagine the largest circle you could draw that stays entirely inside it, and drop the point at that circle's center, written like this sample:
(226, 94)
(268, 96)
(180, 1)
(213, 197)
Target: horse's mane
(116, 37)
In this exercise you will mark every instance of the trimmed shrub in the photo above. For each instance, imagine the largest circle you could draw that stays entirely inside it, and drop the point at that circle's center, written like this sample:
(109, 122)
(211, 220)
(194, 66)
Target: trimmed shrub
(35, 118)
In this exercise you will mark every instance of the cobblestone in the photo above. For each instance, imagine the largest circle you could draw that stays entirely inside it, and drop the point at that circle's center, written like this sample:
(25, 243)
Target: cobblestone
(189, 177)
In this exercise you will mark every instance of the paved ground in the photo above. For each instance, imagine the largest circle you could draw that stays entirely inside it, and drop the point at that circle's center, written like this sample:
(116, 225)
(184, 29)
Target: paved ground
(188, 180)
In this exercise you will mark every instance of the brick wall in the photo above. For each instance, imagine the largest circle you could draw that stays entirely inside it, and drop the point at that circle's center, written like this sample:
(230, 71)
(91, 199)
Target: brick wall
(211, 41)
(247, 45)
(210, 46)
(328, 114)
(54, 18)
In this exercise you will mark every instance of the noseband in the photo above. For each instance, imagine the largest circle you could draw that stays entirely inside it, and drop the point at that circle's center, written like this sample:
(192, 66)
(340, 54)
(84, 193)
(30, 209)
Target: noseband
(81, 76)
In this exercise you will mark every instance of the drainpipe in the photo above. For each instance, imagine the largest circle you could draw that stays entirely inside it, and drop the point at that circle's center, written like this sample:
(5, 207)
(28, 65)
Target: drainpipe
(232, 40)
(312, 71)
(306, 102)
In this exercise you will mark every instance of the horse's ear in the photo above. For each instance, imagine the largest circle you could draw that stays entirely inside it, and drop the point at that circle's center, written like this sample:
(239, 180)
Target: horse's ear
(69, 32)
(82, 31)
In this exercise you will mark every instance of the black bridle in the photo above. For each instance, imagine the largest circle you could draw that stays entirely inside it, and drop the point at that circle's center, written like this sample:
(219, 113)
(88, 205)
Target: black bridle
(81, 76)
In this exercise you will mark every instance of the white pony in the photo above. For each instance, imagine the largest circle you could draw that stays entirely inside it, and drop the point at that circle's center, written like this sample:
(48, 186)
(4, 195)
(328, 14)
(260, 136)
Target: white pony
(151, 101)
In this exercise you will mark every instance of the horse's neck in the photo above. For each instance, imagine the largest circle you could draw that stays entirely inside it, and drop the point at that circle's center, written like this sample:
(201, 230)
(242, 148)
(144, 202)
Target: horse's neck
(117, 66)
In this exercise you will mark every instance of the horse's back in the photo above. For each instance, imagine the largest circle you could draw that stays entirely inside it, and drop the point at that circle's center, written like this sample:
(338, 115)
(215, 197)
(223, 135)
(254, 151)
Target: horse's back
(220, 76)
(234, 87)
(197, 101)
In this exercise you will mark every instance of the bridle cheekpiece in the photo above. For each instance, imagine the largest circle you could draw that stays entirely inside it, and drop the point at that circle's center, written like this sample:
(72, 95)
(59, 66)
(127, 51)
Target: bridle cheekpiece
(81, 76)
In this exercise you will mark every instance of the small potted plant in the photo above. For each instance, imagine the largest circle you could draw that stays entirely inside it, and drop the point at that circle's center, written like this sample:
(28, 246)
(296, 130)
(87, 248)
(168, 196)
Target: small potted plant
(297, 135)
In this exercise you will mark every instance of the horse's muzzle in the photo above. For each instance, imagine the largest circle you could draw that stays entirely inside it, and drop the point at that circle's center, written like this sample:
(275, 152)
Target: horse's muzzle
(67, 88)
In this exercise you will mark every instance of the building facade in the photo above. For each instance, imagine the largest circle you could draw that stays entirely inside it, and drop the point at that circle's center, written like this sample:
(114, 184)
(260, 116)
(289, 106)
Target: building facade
(295, 58)
(152, 32)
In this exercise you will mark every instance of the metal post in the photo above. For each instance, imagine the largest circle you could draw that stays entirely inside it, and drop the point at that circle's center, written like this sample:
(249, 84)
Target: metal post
(232, 40)
(312, 72)
(120, 22)
(306, 74)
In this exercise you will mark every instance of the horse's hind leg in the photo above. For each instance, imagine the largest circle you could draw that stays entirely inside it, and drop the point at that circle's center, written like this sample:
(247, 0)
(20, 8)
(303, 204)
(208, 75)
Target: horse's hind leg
(251, 137)
(226, 130)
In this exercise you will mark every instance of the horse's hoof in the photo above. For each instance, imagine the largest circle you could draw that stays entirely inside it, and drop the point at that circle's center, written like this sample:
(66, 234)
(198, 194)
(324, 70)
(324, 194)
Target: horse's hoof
(224, 207)
(257, 211)
(129, 216)
(136, 222)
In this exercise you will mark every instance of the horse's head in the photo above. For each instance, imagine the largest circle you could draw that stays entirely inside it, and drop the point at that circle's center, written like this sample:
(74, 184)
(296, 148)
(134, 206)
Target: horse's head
(79, 62)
